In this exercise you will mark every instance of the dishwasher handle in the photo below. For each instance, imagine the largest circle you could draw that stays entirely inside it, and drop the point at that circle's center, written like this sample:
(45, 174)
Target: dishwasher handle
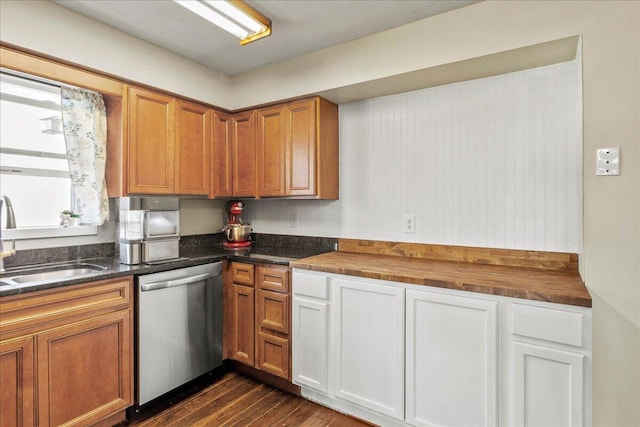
(179, 282)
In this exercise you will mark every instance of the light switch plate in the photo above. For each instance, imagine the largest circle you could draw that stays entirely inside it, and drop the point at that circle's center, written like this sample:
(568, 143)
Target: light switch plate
(608, 161)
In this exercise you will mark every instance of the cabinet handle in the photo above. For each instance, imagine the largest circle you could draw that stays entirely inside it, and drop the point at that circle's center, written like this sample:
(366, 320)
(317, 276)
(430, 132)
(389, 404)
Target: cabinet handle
(171, 283)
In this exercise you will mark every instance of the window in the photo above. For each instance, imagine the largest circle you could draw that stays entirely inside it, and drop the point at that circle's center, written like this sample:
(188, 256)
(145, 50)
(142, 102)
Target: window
(34, 172)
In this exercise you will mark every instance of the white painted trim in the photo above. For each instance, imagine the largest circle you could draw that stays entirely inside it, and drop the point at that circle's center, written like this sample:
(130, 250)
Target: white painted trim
(48, 232)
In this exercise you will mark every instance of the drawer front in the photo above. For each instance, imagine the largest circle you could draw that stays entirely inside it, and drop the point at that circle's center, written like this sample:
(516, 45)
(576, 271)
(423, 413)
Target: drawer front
(160, 250)
(273, 355)
(273, 279)
(547, 324)
(242, 273)
(33, 311)
(273, 311)
(311, 285)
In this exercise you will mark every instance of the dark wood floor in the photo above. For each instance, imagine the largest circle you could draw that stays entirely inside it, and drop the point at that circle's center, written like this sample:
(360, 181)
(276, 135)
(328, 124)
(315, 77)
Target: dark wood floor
(235, 400)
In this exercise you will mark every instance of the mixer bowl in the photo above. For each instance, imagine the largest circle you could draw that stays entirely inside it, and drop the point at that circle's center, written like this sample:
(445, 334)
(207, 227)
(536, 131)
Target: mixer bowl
(237, 232)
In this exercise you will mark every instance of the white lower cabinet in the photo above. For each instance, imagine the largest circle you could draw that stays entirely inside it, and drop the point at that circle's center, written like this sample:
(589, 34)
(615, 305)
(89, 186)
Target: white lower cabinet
(368, 329)
(310, 338)
(452, 356)
(548, 386)
(310, 346)
(398, 354)
(551, 350)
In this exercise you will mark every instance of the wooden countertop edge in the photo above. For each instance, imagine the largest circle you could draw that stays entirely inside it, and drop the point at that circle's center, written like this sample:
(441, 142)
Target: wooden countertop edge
(575, 294)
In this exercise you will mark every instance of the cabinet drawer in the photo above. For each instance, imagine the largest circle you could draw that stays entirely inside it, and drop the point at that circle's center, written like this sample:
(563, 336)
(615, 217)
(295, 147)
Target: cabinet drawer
(33, 311)
(273, 311)
(547, 324)
(242, 273)
(273, 279)
(273, 355)
(311, 285)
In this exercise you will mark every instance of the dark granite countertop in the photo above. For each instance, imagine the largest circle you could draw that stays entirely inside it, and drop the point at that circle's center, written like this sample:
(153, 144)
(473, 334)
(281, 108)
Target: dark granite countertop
(189, 257)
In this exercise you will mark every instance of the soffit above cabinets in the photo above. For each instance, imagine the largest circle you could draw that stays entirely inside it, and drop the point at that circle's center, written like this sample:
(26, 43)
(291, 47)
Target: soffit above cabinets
(527, 57)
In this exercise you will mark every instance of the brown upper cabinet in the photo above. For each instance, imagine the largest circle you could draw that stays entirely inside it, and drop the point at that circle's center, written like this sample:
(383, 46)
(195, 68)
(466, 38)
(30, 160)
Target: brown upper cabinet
(298, 150)
(192, 173)
(159, 144)
(173, 146)
(234, 155)
(169, 144)
(271, 151)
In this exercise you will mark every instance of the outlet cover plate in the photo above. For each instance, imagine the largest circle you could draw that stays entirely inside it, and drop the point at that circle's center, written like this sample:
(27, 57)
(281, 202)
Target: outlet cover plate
(409, 223)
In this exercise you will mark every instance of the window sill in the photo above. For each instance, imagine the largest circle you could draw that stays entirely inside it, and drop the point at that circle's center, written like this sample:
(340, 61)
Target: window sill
(48, 232)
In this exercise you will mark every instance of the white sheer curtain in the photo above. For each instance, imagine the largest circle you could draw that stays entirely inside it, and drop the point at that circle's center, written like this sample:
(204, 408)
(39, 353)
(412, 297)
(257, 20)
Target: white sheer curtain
(84, 122)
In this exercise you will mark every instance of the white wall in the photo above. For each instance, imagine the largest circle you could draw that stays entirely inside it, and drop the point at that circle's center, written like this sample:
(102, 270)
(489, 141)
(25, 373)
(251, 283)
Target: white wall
(493, 162)
(46, 27)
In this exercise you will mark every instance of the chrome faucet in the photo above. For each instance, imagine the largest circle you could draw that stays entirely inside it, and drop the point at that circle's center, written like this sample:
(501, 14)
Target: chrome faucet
(11, 223)
(11, 216)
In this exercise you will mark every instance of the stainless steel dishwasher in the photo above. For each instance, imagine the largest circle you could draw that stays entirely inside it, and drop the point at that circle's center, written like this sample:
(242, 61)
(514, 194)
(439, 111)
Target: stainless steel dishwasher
(179, 327)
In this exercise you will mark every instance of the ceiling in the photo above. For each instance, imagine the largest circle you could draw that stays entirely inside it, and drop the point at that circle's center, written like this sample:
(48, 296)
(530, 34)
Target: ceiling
(299, 26)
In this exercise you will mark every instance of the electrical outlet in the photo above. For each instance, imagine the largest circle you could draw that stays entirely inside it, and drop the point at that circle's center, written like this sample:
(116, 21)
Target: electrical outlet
(608, 161)
(409, 223)
(293, 220)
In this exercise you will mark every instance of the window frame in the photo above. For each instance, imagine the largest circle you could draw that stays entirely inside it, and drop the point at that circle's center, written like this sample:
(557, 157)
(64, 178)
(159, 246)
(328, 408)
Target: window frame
(47, 231)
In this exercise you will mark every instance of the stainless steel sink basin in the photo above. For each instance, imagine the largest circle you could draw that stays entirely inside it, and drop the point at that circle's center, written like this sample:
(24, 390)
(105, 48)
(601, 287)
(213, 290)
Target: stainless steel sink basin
(57, 274)
(50, 273)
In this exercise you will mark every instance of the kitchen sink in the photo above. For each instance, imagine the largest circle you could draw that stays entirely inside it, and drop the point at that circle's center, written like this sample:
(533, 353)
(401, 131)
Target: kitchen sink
(50, 273)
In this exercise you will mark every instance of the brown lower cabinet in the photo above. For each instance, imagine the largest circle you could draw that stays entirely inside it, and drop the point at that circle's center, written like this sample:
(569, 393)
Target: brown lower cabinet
(259, 317)
(66, 355)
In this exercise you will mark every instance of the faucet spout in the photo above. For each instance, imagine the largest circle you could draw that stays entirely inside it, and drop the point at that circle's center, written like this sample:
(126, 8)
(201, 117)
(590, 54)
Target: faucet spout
(11, 216)
(10, 252)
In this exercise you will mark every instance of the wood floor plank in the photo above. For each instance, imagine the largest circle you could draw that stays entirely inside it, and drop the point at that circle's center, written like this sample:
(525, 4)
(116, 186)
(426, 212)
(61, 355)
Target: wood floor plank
(321, 417)
(347, 421)
(238, 401)
(278, 413)
(256, 410)
(226, 407)
(230, 379)
(218, 394)
(223, 415)
(209, 409)
(300, 415)
(224, 385)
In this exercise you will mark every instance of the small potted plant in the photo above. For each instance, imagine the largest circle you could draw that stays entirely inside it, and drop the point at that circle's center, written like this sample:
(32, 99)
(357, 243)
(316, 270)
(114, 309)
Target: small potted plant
(69, 218)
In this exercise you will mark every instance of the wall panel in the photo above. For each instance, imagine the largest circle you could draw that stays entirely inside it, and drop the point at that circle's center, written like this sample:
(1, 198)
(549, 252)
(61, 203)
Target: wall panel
(491, 162)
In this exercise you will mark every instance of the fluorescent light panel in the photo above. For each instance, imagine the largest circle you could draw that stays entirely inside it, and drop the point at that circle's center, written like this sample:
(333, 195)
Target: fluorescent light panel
(236, 15)
(233, 16)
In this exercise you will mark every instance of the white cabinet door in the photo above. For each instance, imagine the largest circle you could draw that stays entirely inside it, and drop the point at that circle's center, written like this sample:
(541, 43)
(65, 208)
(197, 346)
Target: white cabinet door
(368, 355)
(452, 360)
(548, 386)
(310, 343)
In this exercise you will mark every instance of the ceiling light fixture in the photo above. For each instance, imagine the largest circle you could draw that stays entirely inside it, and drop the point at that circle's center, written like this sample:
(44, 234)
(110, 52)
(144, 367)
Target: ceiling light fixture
(234, 16)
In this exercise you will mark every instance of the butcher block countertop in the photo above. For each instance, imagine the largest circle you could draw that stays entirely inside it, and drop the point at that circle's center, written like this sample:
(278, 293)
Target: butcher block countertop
(540, 276)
